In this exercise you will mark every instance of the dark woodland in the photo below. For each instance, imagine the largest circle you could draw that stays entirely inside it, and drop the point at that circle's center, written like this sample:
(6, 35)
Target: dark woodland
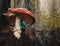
(32, 37)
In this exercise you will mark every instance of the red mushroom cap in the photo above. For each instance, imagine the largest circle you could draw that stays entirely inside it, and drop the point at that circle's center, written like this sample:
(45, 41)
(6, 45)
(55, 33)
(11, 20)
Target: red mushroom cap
(28, 16)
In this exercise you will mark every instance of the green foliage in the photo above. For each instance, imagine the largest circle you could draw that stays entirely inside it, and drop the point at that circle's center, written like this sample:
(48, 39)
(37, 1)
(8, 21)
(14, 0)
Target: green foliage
(51, 22)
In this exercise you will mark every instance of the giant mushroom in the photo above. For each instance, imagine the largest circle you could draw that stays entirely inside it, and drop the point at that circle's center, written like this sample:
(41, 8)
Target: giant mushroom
(21, 13)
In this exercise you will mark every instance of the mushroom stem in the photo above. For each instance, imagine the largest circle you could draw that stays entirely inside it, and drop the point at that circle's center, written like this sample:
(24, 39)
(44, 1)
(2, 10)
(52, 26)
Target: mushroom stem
(17, 23)
(17, 31)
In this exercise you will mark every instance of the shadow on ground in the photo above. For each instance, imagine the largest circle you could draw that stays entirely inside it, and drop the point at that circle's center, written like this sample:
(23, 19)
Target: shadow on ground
(36, 38)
